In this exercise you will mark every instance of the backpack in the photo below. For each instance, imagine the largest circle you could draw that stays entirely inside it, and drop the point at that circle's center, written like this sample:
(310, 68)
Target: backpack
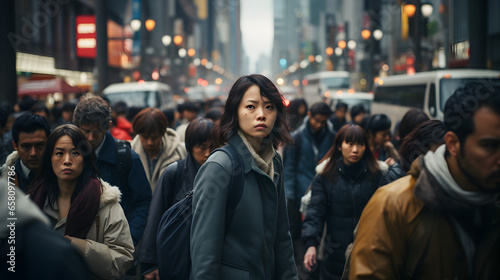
(174, 229)
(124, 162)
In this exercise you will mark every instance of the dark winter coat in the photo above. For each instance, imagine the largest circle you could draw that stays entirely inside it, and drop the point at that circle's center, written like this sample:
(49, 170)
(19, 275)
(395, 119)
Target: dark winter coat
(136, 198)
(301, 159)
(172, 186)
(257, 244)
(340, 205)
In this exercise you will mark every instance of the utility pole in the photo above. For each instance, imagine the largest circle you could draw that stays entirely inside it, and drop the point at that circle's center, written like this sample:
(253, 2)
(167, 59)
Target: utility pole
(478, 25)
(101, 18)
(8, 76)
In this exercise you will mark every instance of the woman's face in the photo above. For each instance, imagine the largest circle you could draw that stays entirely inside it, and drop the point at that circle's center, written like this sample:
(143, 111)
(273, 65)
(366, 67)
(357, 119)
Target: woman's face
(382, 137)
(201, 153)
(256, 114)
(67, 161)
(352, 152)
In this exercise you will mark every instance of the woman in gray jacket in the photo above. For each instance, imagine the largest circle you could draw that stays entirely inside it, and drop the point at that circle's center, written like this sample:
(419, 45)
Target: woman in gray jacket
(257, 243)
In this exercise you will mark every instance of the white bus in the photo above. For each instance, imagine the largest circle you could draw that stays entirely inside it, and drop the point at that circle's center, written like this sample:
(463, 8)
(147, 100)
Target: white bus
(141, 95)
(321, 86)
(395, 95)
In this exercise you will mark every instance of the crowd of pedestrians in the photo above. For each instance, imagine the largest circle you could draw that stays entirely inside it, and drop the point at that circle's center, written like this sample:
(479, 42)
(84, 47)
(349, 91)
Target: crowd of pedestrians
(325, 194)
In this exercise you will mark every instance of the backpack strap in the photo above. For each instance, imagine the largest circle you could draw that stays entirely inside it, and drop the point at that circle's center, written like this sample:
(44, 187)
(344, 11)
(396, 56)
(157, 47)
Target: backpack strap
(236, 182)
(124, 162)
(418, 245)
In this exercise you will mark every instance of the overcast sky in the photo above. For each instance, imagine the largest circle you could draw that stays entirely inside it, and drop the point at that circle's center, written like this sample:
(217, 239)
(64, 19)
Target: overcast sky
(257, 26)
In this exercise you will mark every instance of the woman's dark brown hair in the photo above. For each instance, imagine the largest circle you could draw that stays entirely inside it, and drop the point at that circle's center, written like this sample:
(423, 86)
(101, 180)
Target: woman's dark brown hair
(348, 133)
(228, 124)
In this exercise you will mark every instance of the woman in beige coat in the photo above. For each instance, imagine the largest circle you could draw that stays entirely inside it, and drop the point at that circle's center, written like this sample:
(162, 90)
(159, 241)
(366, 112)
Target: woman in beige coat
(83, 208)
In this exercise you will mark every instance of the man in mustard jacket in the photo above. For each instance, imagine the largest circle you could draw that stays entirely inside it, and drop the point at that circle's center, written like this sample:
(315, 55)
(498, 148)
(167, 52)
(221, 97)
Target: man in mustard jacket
(443, 220)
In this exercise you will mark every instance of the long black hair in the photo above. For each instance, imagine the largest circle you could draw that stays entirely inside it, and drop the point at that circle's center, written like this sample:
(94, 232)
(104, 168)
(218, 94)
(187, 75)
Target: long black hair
(47, 176)
(348, 133)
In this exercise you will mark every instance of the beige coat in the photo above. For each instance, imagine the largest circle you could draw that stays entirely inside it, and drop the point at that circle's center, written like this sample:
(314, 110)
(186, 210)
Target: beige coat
(108, 247)
(173, 150)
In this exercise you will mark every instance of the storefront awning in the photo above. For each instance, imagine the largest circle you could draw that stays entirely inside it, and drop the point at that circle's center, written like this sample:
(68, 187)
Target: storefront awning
(45, 87)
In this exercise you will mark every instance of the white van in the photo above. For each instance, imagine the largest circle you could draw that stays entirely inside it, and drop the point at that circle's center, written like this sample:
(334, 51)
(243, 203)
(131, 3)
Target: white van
(353, 98)
(141, 94)
(322, 85)
(395, 95)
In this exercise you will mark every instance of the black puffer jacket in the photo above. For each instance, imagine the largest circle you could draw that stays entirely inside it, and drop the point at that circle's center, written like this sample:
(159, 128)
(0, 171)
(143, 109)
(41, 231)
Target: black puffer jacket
(340, 205)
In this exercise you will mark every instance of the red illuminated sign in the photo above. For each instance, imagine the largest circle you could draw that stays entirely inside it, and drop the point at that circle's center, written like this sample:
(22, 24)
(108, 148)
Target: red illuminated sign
(86, 36)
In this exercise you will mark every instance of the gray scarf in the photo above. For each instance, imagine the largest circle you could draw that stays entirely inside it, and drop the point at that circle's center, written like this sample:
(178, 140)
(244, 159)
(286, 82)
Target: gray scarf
(438, 168)
(264, 159)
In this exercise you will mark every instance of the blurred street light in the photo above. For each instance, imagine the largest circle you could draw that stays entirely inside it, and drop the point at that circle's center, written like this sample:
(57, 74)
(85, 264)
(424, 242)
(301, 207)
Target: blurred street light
(426, 10)
(303, 64)
(377, 34)
(178, 40)
(365, 33)
(342, 44)
(155, 75)
(166, 40)
(409, 9)
(150, 24)
(191, 52)
(351, 44)
(338, 51)
(182, 52)
(135, 25)
(329, 51)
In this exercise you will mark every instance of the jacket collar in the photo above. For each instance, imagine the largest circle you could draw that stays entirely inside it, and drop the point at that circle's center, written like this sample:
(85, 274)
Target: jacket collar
(108, 149)
(170, 141)
(110, 194)
(341, 168)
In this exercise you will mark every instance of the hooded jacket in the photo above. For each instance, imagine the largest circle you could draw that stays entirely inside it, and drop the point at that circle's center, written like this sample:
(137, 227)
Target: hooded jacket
(384, 232)
(108, 247)
(340, 205)
(172, 150)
